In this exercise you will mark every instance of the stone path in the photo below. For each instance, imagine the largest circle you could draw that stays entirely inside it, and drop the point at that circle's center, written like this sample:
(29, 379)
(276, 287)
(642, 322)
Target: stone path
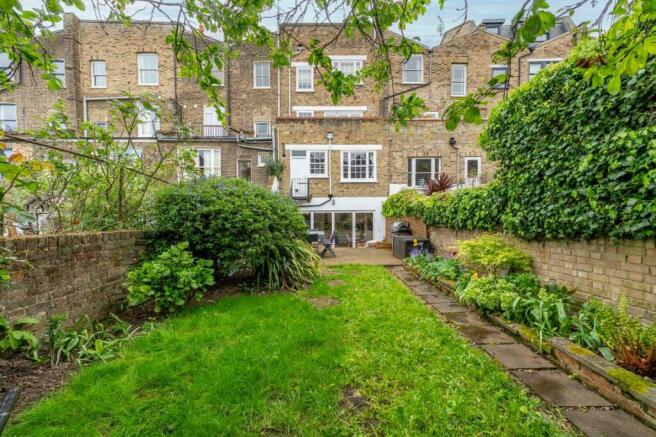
(588, 411)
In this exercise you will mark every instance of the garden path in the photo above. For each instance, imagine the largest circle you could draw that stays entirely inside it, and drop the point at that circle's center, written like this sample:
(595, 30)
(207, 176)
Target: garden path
(588, 411)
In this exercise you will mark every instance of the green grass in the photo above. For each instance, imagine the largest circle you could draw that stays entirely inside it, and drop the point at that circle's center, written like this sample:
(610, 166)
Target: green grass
(269, 364)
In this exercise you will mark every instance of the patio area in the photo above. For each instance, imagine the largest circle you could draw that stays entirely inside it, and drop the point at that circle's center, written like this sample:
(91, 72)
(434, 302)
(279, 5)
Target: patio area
(366, 256)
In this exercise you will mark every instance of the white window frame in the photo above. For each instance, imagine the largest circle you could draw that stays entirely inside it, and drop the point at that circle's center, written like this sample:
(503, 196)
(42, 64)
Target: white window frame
(255, 76)
(3, 120)
(479, 165)
(300, 68)
(250, 179)
(262, 159)
(544, 63)
(218, 74)
(94, 75)
(494, 68)
(454, 91)
(155, 124)
(305, 114)
(261, 123)
(412, 171)
(324, 174)
(407, 70)
(140, 68)
(433, 115)
(60, 74)
(356, 60)
(8, 69)
(216, 128)
(215, 164)
(371, 178)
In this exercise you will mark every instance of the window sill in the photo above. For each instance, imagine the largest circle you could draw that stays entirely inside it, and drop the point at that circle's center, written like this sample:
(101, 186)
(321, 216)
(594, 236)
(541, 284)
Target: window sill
(358, 181)
(148, 84)
(98, 87)
(261, 87)
(413, 83)
(305, 91)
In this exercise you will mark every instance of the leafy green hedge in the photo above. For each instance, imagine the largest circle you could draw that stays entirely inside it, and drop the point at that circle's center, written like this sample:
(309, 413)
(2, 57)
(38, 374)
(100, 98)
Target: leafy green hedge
(574, 162)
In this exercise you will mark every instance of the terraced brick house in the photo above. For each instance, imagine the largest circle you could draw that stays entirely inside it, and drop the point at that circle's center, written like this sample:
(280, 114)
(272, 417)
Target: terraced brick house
(341, 161)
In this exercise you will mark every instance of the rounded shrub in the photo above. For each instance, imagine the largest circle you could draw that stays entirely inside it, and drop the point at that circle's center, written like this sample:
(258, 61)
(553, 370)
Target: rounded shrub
(239, 225)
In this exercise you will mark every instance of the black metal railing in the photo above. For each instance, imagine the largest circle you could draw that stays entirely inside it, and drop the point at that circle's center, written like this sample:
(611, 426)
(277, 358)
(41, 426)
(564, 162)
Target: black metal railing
(300, 189)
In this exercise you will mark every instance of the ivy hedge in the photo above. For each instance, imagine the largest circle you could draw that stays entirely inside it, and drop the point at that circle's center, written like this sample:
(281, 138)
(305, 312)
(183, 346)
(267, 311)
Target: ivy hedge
(575, 162)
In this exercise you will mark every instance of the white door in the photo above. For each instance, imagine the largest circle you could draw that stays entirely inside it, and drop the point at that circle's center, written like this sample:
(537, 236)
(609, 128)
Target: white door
(299, 170)
(211, 124)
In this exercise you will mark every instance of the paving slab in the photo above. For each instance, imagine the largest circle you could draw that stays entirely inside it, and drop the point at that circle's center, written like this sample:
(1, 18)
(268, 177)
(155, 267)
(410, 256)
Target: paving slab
(608, 423)
(517, 356)
(449, 307)
(481, 334)
(466, 318)
(557, 389)
(438, 298)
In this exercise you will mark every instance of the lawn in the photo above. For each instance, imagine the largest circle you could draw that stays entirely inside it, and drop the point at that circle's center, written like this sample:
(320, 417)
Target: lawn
(379, 363)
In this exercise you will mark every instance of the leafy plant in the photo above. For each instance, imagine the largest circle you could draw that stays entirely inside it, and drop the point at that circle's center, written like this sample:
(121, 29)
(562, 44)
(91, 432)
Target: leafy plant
(632, 343)
(443, 182)
(405, 203)
(290, 266)
(490, 255)
(88, 340)
(432, 268)
(485, 292)
(585, 328)
(275, 167)
(239, 225)
(170, 280)
(15, 338)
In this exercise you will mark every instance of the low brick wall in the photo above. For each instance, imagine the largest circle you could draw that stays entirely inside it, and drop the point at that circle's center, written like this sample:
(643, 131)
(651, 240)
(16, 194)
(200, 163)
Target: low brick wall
(417, 226)
(75, 273)
(602, 268)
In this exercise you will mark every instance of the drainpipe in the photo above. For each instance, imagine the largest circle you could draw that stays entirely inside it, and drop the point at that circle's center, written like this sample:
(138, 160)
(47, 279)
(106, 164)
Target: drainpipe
(329, 137)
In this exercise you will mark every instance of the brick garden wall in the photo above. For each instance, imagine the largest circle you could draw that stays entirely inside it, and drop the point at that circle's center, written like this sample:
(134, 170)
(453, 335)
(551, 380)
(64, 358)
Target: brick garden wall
(417, 226)
(79, 273)
(600, 268)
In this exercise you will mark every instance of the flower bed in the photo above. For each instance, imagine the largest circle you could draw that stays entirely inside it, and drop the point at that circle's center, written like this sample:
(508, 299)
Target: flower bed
(604, 346)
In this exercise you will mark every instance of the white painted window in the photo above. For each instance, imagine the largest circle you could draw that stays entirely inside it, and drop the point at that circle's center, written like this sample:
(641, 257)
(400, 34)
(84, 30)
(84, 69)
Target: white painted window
(262, 159)
(413, 69)
(305, 114)
(98, 74)
(534, 67)
(244, 169)
(431, 114)
(212, 126)
(421, 170)
(218, 74)
(458, 80)
(8, 117)
(342, 113)
(148, 68)
(208, 162)
(498, 70)
(304, 78)
(60, 71)
(261, 75)
(7, 67)
(359, 166)
(542, 38)
(473, 171)
(262, 129)
(148, 123)
(347, 66)
(318, 164)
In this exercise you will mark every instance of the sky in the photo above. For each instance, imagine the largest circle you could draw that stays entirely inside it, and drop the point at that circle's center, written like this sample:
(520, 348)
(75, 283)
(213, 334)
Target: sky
(426, 28)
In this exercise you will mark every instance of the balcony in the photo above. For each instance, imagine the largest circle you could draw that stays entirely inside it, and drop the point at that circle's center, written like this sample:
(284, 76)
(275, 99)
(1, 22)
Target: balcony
(212, 130)
(300, 189)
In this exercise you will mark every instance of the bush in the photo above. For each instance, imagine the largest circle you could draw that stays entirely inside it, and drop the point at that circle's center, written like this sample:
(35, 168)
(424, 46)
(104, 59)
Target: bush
(467, 208)
(432, 268)
(170, 280)
(293, 265)
(490, 255)
(576, 161)
(486, 292)
(239, 225)
(405, 203)
(15, 338)
(632, 343)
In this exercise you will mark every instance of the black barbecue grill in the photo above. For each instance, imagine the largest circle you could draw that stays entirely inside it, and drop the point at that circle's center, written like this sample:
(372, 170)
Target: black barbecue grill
(401, 228)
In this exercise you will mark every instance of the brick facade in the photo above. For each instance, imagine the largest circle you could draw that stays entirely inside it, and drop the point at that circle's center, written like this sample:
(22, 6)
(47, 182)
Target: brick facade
(71, 274)
(601, 268)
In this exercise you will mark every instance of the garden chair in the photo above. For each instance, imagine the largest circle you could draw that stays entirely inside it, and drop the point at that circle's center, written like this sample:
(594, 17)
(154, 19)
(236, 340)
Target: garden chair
(329, 244)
